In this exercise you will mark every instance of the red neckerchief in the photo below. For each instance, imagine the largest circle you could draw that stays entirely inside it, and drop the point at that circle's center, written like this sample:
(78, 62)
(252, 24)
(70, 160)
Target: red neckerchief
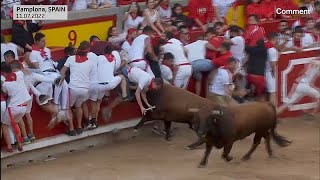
(164, 6)
(36, 48)
(269, 45)
(297, 42)
(151, 85)
(81, 59)
(10, 77)
(109, 57)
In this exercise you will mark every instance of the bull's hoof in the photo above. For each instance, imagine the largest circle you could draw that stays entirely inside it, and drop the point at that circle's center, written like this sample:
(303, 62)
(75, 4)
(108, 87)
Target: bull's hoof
(202, 165)
(245, 158)
(226, 158)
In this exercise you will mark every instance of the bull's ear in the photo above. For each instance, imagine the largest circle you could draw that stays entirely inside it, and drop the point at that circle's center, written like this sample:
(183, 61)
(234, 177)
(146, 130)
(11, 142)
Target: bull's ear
(217, 112)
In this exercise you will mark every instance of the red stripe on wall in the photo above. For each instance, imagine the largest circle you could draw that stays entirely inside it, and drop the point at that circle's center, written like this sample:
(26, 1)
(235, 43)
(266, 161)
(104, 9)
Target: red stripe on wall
(112, 18)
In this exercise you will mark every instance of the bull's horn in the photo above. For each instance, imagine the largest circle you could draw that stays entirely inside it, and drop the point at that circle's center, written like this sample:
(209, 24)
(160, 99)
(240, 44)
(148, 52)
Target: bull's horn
(194, 110)
(217, 112)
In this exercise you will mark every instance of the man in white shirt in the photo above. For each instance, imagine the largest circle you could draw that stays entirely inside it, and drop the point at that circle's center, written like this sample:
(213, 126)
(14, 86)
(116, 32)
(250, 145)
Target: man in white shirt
(184, 68)
(221, 88)
(16, 90)
(141, 45)
(196, 56)
(106, 78)
(145, 82)
(271, 67)
(81, 71)
(40, 58)
(6, 46)
(304, 86)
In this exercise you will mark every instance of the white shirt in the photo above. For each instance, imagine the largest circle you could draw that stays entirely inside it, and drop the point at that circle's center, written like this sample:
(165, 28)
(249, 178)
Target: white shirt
(94, 76)
(222, 79)
(132, 23)
(45, 62)
(126, 46)
(140, 77)
(196, 50)
(177, 50)
(117, 57)
(273, 56)
(6, 47)
(237, 49)
(16, 90)
(223, 5)
(166, 73)
(137, 48)
(165, 15)
(306, 41)
(80, 73)
(80, 5)
(105, 69)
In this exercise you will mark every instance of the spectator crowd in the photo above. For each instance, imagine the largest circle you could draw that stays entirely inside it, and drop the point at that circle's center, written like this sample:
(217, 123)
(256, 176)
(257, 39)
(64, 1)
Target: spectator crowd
(153, 49)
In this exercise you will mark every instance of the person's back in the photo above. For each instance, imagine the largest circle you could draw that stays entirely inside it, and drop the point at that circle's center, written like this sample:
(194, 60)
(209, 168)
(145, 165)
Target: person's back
(106, 67)
(196, 50)
(16, 89)
(137, 49)
(177, 51)
(81, 71)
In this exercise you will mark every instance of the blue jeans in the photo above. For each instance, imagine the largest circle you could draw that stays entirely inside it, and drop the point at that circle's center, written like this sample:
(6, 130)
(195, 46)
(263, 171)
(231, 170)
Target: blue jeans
(199, 66)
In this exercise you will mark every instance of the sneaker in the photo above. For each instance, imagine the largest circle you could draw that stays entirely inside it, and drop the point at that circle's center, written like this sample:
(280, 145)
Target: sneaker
(88, 126)
(71, 133)
(125, 99)
(31, 137)
(94, 124)
(79, 130)
(26, 141)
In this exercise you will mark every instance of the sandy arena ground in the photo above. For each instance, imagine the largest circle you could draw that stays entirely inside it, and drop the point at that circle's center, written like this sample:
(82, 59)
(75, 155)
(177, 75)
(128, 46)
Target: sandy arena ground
(150, 157)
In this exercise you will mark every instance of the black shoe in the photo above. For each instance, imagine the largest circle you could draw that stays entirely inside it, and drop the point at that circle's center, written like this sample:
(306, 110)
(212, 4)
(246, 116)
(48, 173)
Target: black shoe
(79, 130)
(94, 124)
(126, 99)
(71, 133)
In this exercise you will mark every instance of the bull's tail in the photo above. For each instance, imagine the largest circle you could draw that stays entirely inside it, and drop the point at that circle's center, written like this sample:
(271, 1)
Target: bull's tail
(280, 140)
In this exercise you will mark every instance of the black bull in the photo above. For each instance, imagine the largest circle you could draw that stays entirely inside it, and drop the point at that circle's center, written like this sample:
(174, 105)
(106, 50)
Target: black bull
(175, 105)
(227, 125)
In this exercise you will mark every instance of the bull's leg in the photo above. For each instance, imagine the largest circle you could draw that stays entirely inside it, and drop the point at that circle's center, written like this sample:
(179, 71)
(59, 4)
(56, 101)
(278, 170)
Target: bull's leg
(267, 141)
(206, 155)
(226, 150)
(167, 126)
(196, 144)
(142, 121)
(256, 142)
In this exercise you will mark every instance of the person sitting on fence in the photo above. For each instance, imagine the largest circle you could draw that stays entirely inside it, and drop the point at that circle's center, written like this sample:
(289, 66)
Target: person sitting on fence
(141, 45)
(196, 56)
(40, 59)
